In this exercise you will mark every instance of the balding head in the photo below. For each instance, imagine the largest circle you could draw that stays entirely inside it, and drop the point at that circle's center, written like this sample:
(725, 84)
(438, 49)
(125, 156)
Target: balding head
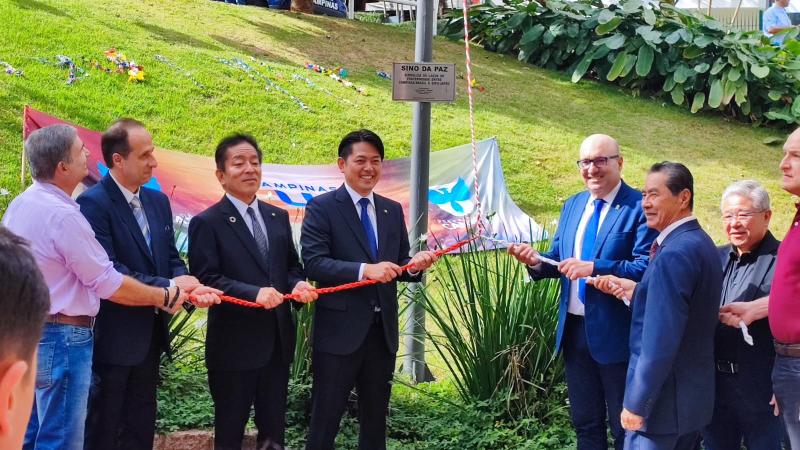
(790, 164)
(600, 164)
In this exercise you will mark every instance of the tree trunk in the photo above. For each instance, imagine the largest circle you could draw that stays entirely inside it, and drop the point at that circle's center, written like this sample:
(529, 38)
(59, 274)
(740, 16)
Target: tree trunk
(303, 6)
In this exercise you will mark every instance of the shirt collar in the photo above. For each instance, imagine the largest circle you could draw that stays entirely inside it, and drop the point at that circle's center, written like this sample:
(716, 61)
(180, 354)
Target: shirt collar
(355, 196)
(125, 192)
(663, 235)
(242, 206)
(608, 198)
(56, 191)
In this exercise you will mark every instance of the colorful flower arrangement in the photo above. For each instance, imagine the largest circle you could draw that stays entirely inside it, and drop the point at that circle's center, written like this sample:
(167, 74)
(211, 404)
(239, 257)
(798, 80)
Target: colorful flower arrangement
(121, 65)
(337, 74)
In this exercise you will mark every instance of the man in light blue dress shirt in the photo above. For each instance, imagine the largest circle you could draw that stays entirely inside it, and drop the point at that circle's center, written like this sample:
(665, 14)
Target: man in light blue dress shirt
(775, 20)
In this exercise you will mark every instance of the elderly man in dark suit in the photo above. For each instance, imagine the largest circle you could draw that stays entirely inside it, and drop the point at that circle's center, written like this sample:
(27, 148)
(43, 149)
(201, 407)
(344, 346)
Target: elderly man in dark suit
(742, 407)
(244, 247)
(133, 223)
(602, 231)
(675, 308)
(348, 235)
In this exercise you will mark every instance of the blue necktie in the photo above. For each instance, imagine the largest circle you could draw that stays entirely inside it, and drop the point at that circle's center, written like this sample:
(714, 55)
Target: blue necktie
(141, 220)
(368, 229)
(589, 237)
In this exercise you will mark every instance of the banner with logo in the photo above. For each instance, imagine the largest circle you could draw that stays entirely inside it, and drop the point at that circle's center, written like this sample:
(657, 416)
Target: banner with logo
(189, 181)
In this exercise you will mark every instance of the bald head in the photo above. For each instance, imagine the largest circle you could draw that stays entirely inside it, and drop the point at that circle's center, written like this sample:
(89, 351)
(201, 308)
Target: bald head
(790, 164)
(600, 164)
(602, 142)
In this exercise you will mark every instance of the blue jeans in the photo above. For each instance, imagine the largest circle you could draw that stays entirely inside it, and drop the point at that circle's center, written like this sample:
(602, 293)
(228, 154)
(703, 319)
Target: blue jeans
(786, 383)
(62, 388)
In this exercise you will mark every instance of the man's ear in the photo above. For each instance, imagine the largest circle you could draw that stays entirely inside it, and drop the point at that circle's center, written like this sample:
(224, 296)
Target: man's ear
(9, 394)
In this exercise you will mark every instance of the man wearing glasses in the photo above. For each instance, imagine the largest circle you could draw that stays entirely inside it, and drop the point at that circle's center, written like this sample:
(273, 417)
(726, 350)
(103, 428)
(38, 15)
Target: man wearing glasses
(602, 231)
(743, 399)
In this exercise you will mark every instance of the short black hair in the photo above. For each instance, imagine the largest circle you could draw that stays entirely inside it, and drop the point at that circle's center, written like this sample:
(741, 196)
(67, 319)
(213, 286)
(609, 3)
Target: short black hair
(221, 153)
(115, 139)
(362, 135)
(24, 298)
(678, 178)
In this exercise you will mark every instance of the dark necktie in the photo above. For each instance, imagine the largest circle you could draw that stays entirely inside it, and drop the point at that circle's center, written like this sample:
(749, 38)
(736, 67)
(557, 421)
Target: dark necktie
(368, 229)
(587, 246)
(258, 234)
(653, 250)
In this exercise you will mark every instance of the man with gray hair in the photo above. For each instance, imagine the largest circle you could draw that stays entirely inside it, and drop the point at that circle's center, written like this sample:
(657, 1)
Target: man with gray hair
(742, 407)
(78, 274)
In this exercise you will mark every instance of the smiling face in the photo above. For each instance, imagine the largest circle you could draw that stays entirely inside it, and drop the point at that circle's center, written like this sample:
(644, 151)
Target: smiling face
(743, 224)
(661, 206)
(242, 174)
(601, 178)
(362, 168)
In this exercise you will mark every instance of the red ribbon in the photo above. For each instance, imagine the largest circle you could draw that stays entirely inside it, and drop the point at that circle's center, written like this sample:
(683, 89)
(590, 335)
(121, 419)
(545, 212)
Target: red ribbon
(341, 287)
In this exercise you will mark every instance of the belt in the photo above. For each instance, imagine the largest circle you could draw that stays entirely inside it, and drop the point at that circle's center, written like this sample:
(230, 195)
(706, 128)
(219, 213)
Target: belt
(791, 350)
(727, 366)
(78, 321)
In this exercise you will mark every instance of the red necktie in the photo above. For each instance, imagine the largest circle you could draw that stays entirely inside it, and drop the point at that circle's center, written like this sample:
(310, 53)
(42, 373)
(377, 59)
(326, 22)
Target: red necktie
(653, 250)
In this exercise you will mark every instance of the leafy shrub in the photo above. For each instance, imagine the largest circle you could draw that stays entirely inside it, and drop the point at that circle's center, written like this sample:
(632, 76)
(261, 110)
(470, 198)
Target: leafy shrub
(494, 330)
(666, 51)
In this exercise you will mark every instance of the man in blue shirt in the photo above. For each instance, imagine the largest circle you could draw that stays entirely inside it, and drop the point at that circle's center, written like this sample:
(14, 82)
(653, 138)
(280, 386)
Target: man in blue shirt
(776, 20)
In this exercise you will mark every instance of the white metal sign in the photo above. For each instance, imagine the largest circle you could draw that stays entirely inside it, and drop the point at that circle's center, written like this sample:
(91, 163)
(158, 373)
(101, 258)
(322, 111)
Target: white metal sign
(423, 82)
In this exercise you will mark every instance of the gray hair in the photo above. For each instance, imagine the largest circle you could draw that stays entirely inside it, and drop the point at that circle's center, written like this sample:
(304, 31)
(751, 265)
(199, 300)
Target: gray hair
(48, 146)
(751, 189)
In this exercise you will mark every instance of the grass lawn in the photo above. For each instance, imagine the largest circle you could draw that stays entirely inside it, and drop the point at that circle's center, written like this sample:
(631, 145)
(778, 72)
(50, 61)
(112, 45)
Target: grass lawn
(539, 117)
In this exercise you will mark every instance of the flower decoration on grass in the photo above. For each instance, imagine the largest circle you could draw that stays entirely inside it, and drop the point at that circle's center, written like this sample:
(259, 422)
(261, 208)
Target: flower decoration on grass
(121, 65)
(10, 70)
(254, 74)
(383, 75)
(177, 68)
(75, 73)
(338, 74)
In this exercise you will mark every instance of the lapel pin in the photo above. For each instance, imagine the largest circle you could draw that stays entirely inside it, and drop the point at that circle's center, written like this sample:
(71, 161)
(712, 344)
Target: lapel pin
(232, 219)
(385, 211)
(273, 214)
(617, 207)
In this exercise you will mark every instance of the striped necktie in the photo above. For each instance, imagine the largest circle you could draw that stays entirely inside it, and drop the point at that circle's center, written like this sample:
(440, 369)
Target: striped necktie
(141, 219)
(258, 234)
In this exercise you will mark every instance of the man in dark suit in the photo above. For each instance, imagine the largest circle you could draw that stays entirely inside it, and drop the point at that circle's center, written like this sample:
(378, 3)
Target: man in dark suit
(244, 247)
(134, 225)
(601, 231)
(668, 394)
(743, 397)
(348, 235)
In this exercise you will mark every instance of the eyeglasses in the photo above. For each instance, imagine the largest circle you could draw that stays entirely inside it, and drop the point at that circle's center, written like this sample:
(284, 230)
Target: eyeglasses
(598, 162)
(740, 216)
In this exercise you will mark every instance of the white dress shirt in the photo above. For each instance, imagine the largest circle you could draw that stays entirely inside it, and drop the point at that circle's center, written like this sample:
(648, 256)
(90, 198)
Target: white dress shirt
(356, 197)
(575, 305)
(242, 208)
(666, 231)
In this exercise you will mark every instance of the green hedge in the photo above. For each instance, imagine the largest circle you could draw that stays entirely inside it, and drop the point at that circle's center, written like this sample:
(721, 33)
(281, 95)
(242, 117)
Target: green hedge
(663, 51)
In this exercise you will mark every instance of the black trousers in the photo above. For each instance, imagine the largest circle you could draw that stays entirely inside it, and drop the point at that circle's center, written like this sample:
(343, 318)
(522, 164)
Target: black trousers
(235, 391)
(122, 401)
(369, 369)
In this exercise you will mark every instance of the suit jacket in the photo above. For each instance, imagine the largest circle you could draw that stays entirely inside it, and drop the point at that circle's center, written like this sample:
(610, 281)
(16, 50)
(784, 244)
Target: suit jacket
(223, 254)
(671, 372)
(123, 333)
(333, 246)
(621, 249)
(754, 362)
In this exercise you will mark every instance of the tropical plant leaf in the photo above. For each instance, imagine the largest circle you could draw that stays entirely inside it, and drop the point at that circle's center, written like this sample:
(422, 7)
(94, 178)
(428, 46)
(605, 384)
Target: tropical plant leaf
(644, 61)
(759, 71)
(617, 66)
(715, 94)
(677, 95)
(697, 103)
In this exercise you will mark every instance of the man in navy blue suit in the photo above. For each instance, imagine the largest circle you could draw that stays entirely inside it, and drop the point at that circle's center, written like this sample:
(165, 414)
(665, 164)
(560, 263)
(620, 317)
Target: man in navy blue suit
(669, 394)
(601, 231)
(134, 225)
(244, 247)
(353, 234)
